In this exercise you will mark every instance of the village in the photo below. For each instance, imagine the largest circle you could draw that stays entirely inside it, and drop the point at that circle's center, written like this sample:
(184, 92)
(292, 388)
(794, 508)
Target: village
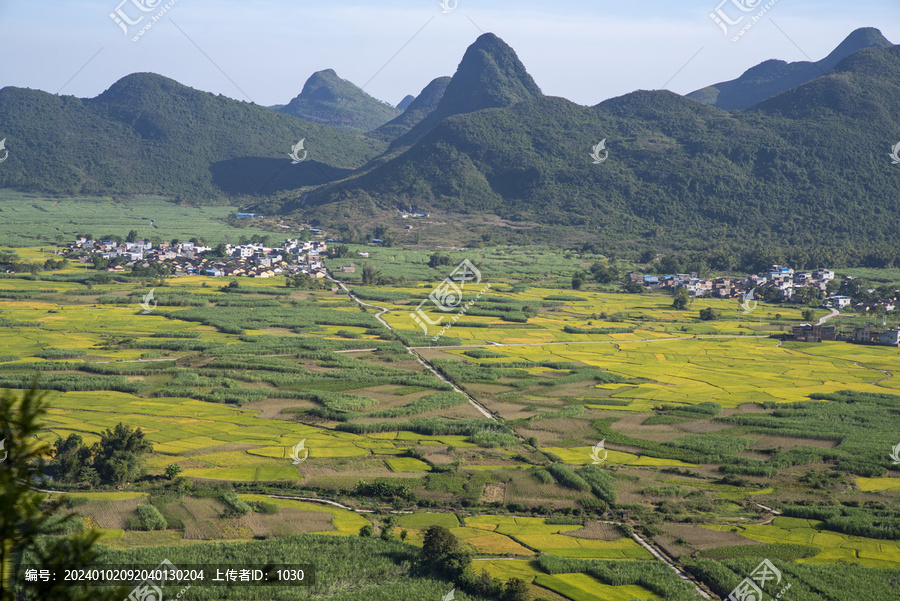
(252, 259)
(782, 284)
(779, 279)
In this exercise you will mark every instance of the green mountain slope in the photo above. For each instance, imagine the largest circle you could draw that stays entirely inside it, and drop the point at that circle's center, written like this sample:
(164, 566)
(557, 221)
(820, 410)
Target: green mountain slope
(420, 107)
(151, 135)
(329, 100)
(775, 76)
(490, 75)
(809, 166)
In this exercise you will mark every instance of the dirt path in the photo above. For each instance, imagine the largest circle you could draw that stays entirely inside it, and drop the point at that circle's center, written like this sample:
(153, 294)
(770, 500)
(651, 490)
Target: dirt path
(681, 573)
(412, 351)
(834, 313)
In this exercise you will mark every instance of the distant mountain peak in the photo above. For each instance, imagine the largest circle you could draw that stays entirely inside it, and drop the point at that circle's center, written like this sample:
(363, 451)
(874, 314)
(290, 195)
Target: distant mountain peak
(774, 76)
(404, 104)
(330, 100)
(490, 75)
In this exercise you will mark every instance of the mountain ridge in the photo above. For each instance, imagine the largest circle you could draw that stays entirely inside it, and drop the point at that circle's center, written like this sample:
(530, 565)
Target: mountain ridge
(774, 76)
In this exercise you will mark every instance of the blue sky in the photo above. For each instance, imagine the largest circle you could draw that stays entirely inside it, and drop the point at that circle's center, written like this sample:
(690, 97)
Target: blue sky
(264, 50)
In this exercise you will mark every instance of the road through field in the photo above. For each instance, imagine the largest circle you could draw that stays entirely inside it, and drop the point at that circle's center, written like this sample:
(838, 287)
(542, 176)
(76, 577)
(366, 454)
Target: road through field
(834, 313)
(412, 351)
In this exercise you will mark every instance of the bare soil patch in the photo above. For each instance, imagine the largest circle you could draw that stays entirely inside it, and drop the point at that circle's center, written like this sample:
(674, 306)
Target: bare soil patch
(704, 538)
(597, 531)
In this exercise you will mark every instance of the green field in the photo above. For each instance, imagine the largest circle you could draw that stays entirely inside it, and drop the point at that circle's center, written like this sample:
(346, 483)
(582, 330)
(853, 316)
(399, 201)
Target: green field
(703, 422)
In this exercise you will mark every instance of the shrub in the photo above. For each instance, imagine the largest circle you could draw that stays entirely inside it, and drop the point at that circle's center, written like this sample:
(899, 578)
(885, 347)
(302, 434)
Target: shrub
(567, 477)
(150, 518)
(234, 505)
(59, 353)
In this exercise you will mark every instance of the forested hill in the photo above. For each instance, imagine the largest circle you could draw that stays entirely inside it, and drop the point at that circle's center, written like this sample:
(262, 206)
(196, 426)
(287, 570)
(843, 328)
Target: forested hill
(330, 100)
(149, 134)
(807, 166)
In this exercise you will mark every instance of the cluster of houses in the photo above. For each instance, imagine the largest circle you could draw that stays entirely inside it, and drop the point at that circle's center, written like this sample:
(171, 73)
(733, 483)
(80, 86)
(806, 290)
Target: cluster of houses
(865, 335)
(779, 277)
(188, 258)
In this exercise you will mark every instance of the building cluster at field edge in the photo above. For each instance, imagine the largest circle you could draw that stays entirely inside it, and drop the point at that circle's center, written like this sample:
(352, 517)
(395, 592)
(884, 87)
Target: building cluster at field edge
(779, 278)
(188, 258)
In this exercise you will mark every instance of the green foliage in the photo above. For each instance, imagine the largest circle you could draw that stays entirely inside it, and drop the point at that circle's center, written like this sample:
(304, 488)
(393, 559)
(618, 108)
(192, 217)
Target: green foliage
(720, 445)
(710, 314)
(118, 457)
(654, 576)
(601, 483)
(492, 439)
(384, 488)
(808, 582)
(27, 518)
(483, 354)
(215, 144)
(330, 100)
(567, 477)
(597, 331)
(856, 521)
(172, 471)
(150, 518)
(864, 424)
(782, 551)
(234, 505)
(58, 353)
(681, 299)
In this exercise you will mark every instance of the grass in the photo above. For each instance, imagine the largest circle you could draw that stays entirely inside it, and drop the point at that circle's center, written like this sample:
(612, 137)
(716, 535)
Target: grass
(834, 548)
(878, 484)
(582, 587)
(25, 224)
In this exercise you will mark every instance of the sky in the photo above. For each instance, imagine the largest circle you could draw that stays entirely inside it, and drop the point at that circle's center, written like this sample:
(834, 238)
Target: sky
(263, 51)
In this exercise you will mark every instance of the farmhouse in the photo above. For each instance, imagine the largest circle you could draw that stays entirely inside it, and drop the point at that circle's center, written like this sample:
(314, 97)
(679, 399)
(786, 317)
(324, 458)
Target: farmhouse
(812, 333)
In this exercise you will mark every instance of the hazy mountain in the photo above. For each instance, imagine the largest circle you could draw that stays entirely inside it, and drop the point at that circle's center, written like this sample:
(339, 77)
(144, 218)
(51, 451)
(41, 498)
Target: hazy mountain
(809, 166)
(329, 100)
(149, 134)
(774, 76)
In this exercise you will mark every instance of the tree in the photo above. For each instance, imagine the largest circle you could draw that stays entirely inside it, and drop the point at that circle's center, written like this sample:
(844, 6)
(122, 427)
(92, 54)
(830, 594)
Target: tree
(172, 470)
(515, 590)
(682, 298)
(438, 544)
(709, 314)
(439, 259)
(27, 518)
(132, 236)
(71, 458)
(370, 275)
(605, 274)
(367, 531)
(118, 457)
(340, 251)
(809, 315)
(577, 281)
(634, 287)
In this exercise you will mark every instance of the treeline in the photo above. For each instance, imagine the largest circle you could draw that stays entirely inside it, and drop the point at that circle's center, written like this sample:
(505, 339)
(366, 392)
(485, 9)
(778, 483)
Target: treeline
(116, 459)
(856, 521)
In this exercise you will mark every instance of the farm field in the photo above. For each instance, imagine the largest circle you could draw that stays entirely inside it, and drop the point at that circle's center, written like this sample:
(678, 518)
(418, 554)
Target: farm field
(27, 219)
(268, 392)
